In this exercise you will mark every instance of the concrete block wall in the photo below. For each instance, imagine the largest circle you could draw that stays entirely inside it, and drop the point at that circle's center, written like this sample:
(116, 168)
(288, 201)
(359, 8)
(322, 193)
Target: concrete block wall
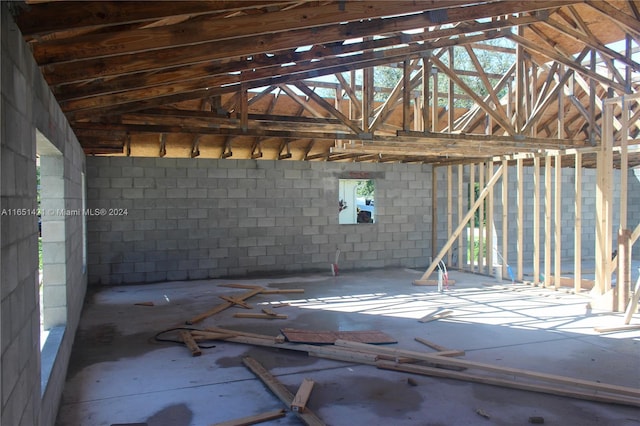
(201, 218)
(27, 107)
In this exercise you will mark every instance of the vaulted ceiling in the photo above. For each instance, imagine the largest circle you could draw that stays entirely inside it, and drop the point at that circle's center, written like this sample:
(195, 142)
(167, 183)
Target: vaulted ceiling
(296, 79)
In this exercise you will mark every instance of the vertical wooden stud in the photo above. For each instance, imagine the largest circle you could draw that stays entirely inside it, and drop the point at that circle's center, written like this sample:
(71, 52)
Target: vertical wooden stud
(449, 209)
(489, 246)
(520, 207)
(434, 212)
(577, 238)
(536, 220)
(557, 222)
(460, 213)
(481, 227)
(547, 221)
(505, 217)
(472, 222)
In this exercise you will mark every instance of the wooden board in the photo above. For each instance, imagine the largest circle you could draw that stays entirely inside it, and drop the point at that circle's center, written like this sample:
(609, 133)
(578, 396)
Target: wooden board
(301, 398)
(188, 340)
(280, 390)
(329, 337)
(469, 377)
(261, 316)
(252, 420)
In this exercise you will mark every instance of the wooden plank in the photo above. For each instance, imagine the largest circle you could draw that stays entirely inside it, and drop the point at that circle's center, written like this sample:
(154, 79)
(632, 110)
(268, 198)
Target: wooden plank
(329, 336)
(268, 311)
(463, 222)
(512, 384)
(299, 403)
(275, 386)
(283, 291)
(188, 340)
(252, 420)
(619, 328)
(553, 378)
(236, 302)
(222, 307)
(489, 247)
(261, 316)
(442, 351)
(436, 316)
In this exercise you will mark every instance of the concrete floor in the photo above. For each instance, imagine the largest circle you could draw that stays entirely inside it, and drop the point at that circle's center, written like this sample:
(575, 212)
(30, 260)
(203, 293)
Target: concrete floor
(119, 374)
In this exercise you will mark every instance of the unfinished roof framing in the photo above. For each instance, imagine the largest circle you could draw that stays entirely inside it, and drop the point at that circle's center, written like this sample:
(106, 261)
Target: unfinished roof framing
(295, 79)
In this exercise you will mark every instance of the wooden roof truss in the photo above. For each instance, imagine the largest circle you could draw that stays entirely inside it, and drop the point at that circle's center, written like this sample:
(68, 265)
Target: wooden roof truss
(295, 79)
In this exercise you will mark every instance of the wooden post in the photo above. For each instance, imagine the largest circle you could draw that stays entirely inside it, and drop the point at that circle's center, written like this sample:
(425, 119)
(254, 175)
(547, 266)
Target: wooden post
(577, 233)
(489, 228)
(547, 221)
(426, 76)
(623, 282)
(434, 211)
(434, 102)
(472, 222)
(460, 210)
(462, 223)
(449, 207)
(520, 206)
(451, 94)
(481, 241)
(406, 95)
(603, 202)
(557, 223)
(505, 216)
(536, 220)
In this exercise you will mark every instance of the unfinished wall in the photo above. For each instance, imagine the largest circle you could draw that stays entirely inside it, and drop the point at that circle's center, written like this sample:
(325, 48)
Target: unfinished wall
(27, 105)
(567, 214)
(200, 218)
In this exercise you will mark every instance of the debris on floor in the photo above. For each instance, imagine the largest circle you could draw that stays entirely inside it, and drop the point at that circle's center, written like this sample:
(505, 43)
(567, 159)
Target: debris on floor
(252, 420)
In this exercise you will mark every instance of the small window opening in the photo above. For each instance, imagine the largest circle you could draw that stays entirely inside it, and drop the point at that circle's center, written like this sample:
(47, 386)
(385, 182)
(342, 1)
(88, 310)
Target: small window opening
(356, 201)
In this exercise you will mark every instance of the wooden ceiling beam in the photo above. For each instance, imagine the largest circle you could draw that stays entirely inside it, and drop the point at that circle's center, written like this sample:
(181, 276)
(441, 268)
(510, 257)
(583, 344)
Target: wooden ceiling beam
(81, 70)
(39, 19)
(167, 94)
(201, 31)
(558, 57)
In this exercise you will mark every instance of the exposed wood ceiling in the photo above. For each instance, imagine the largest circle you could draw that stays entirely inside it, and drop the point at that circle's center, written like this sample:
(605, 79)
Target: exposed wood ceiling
(230, 79)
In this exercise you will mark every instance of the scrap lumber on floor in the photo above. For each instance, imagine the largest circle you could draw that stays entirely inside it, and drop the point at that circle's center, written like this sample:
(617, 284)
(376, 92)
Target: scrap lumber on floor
(618, 328)
(589, 395)
(261, 316)
(189, 341)
(375, 355)
(442, 351)
(329, 336)
(239, 300)
(252, 420)
(308, 417)
(221, 307)
(436, 316)
(301, 398)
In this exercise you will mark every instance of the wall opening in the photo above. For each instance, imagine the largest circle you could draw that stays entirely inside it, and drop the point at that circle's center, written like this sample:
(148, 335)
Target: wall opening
(356, 201)
(52, 251)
